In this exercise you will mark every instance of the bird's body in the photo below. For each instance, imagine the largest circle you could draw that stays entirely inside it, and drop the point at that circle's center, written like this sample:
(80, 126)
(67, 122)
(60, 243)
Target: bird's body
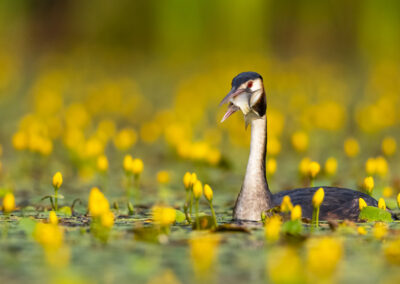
(248, 95)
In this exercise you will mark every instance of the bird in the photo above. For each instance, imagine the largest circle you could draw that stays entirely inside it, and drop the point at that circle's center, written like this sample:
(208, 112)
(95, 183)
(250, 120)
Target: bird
(248, 95)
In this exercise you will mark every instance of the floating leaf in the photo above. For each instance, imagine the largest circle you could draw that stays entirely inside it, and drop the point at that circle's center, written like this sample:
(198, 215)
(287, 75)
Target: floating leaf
(293, 227)
(373, 214)
(180, 216)
(65, 210)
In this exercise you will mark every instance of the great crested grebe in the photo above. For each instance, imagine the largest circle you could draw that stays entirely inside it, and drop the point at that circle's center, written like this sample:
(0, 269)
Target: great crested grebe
(248, 95)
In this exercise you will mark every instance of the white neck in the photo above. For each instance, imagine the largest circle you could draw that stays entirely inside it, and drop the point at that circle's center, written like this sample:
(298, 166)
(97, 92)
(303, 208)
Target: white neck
(255, 196)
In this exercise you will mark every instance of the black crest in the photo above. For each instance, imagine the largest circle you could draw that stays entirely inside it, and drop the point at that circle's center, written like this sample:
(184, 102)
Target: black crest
(244, 77)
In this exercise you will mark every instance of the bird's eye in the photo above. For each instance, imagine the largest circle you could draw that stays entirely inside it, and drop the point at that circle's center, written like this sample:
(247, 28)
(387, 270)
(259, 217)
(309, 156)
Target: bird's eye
(250, 84)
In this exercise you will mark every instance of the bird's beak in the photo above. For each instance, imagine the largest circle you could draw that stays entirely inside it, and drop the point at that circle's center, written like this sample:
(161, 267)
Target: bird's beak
(233, 93)
(231, 110)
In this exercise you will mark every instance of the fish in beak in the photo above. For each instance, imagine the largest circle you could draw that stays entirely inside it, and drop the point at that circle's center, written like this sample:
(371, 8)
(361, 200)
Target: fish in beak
(238, 99)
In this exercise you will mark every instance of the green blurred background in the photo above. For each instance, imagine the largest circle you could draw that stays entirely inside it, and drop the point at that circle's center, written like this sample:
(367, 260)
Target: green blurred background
(160, 69)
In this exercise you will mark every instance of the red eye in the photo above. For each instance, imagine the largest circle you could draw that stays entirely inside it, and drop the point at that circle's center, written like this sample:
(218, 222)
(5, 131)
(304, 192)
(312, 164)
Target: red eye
(250, 84)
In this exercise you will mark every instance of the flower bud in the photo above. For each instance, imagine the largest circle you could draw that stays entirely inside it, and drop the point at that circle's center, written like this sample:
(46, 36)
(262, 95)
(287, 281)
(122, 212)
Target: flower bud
(127, 164)
(369, 184)
(286, 205)
(314, 169)
(208, 192)
(318, 197)
(8, 203)
(137, 166)
(296, 213)
(197, 190)
(102, 163)
(381, 204)
(57, 180)
(361, 203)
(186, 180)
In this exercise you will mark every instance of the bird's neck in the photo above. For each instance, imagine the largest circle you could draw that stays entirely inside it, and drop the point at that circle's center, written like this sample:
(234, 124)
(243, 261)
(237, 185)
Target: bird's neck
(255, 179)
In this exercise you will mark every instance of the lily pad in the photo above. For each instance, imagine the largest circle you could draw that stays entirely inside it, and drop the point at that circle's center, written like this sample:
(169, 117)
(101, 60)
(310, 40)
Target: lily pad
(292, 227)
(65, 210)
(373, 214)
(180, 216)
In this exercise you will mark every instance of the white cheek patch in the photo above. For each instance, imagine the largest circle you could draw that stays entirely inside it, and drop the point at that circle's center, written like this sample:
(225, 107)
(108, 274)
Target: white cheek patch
(255, 97)
(242, 101)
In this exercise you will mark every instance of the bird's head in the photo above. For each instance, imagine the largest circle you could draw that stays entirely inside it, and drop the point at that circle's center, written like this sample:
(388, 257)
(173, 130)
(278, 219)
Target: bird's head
(247, 94)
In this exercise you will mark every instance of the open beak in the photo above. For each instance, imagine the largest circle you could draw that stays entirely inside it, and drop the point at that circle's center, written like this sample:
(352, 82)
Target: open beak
(231, 110)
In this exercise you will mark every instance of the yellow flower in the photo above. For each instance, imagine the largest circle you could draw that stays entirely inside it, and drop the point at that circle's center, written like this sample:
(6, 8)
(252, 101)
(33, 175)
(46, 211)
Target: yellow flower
(370, 166)
(387, 191)
(50, 236)
(285, 266)
(203, 253)
(382, 166)
(197, 190)
(392, 251)
(137, 166)
(296, 213)
(351, 147)
(187, 180)
(314, 169)
(273, 228)
(102, 163)
(318, 197)
(8, 203)
(163, 177)
(331, 166)
(193, 179)
(57, 180)
(98, 203)
(53, 219)
(389, 146)
(300, 141)
(125, 139)
(323, 256)
(369, 184)
(127, 164)
(208, 192)
(361, 231)
(380, 230)
(381, 204)
(286, 205)
(107, 219)
(304, 166)
(163, 215)
(361, 203)
(271, 166)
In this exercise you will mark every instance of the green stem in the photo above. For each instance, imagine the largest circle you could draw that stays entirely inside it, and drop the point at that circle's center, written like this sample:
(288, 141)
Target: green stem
(315, 218)
(185, 207)
(197, 214)
(128, 187)
(191, 202)
(213, 214)
(312, 182)
(56, 199)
